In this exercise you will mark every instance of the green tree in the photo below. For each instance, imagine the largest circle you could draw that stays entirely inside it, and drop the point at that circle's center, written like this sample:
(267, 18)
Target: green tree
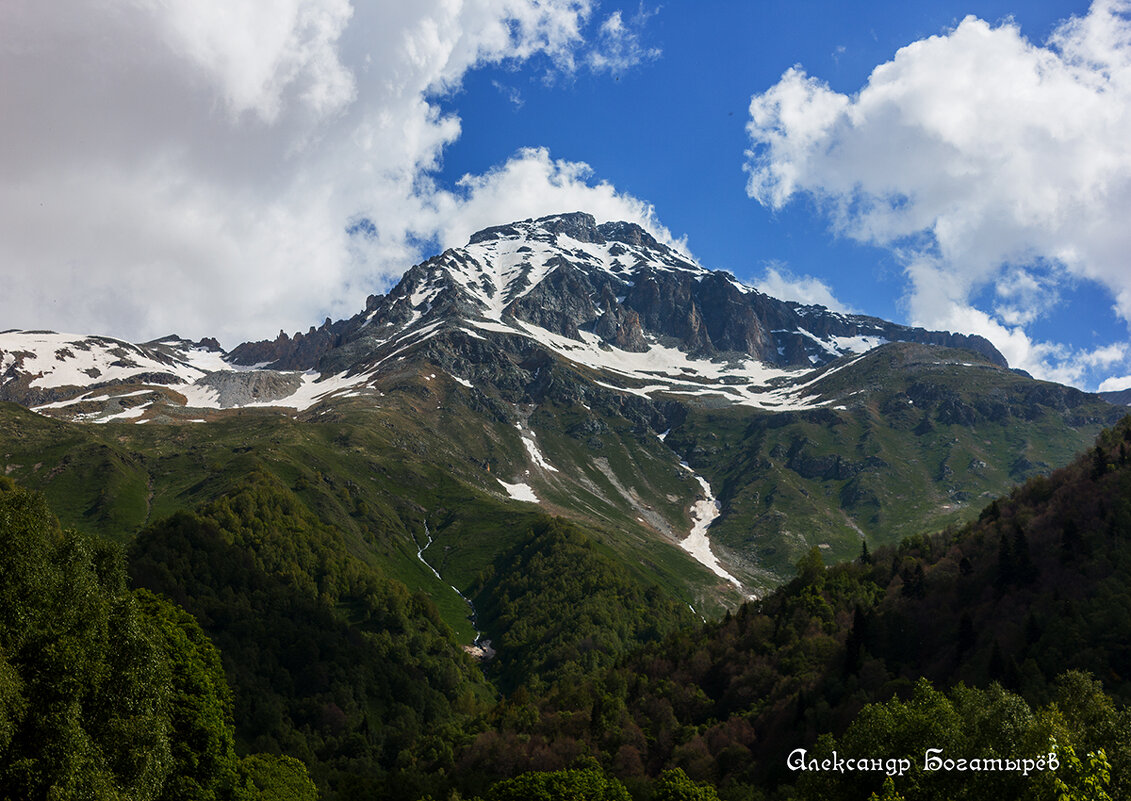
(561, 785)
(82, 684)
(1084, 779)
(811, 567)
(889, 792)
(199, 707)
(278, 778)
(675, 785)
(107, 693)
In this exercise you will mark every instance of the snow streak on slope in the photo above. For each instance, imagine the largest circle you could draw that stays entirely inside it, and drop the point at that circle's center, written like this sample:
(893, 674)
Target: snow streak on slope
(703, 514)
(532, 450)
(664, 369)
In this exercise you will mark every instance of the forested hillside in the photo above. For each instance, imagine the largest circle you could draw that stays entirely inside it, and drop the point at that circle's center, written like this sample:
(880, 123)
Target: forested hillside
(560, 609)
(1022, 613)
(330, 660)
(107, 692)
(1003, 639)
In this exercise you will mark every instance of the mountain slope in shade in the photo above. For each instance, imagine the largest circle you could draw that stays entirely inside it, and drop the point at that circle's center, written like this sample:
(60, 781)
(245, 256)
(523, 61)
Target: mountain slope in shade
(1120, 397)
(899, 440)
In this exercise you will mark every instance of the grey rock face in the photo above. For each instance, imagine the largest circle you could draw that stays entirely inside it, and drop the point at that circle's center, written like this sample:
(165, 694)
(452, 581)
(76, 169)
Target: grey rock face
(561, 302)
(290, 353)
(242, 388)
(629, 233)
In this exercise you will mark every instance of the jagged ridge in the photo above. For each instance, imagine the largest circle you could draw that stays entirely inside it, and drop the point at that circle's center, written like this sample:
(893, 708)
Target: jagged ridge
(568, 275)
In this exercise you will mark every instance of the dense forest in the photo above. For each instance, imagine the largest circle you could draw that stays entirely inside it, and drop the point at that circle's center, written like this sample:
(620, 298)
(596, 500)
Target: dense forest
(1025, 609)
(108, 692)
(244, 650)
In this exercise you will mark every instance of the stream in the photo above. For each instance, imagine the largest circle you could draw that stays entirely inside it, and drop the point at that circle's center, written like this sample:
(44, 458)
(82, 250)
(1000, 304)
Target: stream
(479, 648)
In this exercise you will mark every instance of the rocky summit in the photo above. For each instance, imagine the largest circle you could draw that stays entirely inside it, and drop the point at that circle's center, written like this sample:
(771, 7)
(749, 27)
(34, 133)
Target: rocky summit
(603, 287)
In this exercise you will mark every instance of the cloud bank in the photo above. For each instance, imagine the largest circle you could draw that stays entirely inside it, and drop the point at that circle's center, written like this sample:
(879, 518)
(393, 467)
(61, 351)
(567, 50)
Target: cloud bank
(195, 165)
(985, 162)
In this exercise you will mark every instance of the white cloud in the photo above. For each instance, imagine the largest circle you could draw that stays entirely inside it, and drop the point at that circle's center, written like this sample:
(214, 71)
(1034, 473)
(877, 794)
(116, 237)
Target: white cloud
(256, 52)
(1024, 297)
(1116, 383)
(511, 93)
(778, 282)
(531, 184)
(1106, 356)
(619, 46)
(193, 165)
(978, 157)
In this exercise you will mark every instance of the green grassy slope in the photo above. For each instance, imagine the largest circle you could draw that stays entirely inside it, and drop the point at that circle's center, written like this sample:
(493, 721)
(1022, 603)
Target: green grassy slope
(907, 437)
(906, 443)
(421, 458)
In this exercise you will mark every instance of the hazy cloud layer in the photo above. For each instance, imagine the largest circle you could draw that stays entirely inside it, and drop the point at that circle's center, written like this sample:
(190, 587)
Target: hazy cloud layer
(195, 164)
(982, 160)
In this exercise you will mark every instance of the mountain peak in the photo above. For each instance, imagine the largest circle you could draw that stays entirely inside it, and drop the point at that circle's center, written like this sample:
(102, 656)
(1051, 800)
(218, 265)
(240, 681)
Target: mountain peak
(598, 294)
(578, 225)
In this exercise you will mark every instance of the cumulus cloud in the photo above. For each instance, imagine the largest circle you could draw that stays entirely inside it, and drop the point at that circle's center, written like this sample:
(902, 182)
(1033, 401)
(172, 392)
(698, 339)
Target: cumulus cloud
(532, 184)
(255, 52)
(195, 165)
(1116, 384)
(779, 282)
(981, 159)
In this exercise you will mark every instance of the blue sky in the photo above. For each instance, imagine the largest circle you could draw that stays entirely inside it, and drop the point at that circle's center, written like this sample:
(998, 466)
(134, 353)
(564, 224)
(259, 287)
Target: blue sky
(194, 166)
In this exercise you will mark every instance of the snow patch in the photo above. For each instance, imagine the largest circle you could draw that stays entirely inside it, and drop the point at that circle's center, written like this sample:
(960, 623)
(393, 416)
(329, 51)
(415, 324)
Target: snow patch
(61, 360)
(313, 390)
(857, 344)
(533, 452)
(128, 414)
(520, 491)
(669, 370)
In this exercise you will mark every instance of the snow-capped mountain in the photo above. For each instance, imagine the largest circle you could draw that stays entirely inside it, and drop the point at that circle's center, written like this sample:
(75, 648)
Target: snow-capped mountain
(607, 296)
(603, 376)
(638, 316)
